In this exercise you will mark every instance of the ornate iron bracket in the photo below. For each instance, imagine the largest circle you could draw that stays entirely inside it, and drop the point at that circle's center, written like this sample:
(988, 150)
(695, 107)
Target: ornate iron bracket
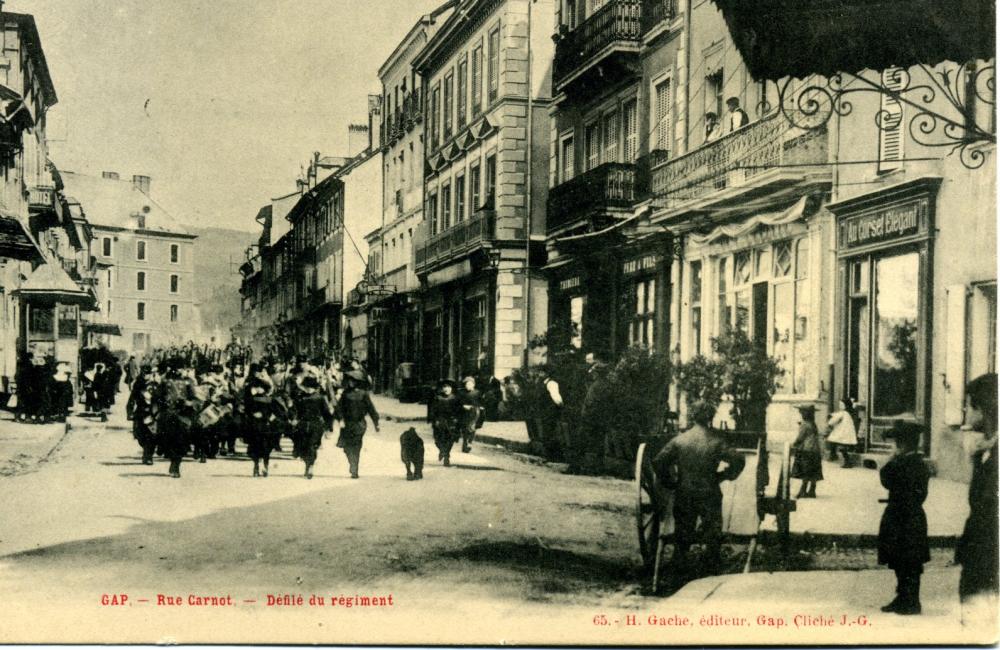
(943, 104)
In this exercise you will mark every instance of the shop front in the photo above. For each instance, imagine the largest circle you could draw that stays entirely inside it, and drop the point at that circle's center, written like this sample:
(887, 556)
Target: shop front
(885, 295)
(458, 322)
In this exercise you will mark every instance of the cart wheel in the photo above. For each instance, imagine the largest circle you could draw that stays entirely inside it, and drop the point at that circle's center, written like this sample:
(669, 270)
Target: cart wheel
(648, 507)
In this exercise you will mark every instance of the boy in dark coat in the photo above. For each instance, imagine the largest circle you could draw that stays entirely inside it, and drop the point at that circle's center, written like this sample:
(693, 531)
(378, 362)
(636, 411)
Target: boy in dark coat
(354, 405)
(140, 404)
(176, 408)
(312, 407)
(902, 533)
(444, 413)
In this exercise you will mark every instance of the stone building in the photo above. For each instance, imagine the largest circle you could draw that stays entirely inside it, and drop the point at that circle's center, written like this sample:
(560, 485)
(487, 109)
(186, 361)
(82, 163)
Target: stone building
(487, 83)
(144, 262)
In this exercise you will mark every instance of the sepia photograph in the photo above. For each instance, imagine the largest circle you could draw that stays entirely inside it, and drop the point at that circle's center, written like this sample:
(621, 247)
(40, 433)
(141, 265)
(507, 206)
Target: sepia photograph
(498, 322)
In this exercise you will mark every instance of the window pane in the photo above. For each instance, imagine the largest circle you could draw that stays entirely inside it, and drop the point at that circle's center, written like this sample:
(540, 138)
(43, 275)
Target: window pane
(762, 263)
(640, 297)
(805, 364)
(576, 307)
(741, 265)
(784, 321)
(895, 389)
(743, 311)
(651, 297)
(695, 283)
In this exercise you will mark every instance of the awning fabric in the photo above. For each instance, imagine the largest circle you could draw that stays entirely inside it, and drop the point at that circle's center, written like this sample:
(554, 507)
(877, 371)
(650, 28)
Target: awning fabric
(102, 328)
(745, 227)
(15, 242)
(798, 38)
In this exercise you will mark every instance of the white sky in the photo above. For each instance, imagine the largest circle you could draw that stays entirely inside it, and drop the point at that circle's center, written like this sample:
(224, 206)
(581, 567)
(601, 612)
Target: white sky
(240, 92)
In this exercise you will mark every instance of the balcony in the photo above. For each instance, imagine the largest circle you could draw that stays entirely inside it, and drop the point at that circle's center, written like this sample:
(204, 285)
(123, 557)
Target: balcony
(604, 46)
(657, 12)
(609, 187)
(759, 153)
(41, 199)
(460, 239)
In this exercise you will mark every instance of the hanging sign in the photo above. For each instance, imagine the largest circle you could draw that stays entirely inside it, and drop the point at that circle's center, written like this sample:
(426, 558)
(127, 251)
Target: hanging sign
(883, 225)
(569, 283)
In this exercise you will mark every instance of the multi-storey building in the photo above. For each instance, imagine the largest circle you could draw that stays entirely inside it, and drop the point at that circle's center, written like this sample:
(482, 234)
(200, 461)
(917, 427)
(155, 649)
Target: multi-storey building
(487, 91)
(394, 315)
(41, 242)
(144, 262)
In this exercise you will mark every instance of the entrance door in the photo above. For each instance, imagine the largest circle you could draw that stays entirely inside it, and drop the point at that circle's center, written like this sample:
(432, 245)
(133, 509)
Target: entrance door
(760, 315)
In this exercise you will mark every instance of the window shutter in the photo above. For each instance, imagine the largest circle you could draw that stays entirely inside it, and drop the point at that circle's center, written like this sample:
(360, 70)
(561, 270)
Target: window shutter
(611, 137)
(567, 159)
(593, 145)
(891, 122)
(630, 118)
(663, 129)
(955, 357)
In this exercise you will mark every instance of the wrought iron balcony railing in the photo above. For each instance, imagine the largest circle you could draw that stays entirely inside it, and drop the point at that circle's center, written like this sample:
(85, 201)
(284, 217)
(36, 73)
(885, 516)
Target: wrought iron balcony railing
(737, 159)
(655, 12)
(615, 24)
(461, 239)
(606, 187)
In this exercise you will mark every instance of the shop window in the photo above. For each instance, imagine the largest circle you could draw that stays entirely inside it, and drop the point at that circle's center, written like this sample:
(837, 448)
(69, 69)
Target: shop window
(895, 327)
(40, 321)
(696, 307)
(577, 306)
(68, 317)
(644, 314)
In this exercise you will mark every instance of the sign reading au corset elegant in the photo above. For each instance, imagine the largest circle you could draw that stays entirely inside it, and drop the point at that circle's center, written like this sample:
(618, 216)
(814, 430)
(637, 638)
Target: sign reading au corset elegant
(643, 263)
(887, 224)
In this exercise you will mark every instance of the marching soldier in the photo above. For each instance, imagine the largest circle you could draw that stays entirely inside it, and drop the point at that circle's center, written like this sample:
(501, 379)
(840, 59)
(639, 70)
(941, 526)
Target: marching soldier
(176, 405)
(140, 404)
(313, 407)
(258, 409)
(355, 403)
(443, 413)
(690, 463)
(472, 406)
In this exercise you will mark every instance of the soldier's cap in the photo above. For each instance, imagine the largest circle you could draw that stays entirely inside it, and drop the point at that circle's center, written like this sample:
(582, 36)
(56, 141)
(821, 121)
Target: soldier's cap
(905, 432)
(445, 382)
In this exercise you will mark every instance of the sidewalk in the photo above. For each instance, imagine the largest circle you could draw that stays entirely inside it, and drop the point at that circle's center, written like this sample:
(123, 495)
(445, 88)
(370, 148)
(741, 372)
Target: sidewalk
(23, 446)
(847, 506)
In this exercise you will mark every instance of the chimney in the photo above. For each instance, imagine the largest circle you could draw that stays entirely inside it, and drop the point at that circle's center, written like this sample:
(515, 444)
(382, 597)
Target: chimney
(375, 120)
(111, 176)
(141, 183)
(357, 139)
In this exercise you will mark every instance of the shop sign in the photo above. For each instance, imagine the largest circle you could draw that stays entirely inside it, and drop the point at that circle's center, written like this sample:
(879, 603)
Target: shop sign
(883, 225)
(640, 264)
(569, 283)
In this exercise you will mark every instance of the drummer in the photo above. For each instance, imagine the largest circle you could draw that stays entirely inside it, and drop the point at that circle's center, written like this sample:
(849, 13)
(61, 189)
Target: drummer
(694, 464)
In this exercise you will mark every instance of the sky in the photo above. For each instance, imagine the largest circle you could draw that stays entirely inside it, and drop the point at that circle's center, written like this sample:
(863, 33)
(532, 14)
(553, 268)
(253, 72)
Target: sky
(221, 102)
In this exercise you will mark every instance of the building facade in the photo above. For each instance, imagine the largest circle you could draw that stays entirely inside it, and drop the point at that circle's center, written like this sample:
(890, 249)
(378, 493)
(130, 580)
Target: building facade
(487, 91)
(144, 262)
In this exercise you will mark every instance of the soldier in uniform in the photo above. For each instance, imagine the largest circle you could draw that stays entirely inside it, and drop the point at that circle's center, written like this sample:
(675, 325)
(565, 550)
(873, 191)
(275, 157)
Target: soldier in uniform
(258, 409)
(902, 533)
(176, 408)
(472, 406)
(355, 403)
(140, 404)
(312, 407)
(690, 463)
(443, 413)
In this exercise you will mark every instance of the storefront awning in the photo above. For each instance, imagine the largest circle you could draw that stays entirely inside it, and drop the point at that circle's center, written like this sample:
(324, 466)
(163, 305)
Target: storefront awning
(798, 38)
(102, 328)
(747, 226)
(15, 242)
(50, 283)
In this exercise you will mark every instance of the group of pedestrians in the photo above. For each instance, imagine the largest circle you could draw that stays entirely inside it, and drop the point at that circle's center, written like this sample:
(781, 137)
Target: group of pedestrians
(455, 416)
(192, 404)
(44, 390)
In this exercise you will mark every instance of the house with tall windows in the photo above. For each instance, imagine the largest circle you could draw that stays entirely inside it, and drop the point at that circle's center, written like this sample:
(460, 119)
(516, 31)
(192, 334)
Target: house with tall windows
(487, 79)
(143, 260)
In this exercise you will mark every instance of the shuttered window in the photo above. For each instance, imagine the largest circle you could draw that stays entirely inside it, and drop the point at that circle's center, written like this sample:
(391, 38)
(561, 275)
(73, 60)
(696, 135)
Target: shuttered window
(661, 130)
(890, 121)
(630, 126)
(593, 145)
(611, 137)
(494, 65)
(463, 91)
(477, 80)
(566, 158)
(449, 103)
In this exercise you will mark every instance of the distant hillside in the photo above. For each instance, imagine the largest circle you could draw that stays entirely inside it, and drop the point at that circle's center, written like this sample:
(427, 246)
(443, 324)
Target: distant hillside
(218, 254)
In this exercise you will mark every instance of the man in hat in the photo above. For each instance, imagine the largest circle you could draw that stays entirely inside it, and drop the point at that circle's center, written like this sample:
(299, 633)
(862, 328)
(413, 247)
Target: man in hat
(258, 412)
(313, 407)
(694, 464)
(472, 405)
(444, 412)
(354, 405)
(902, 533)
(140, 403)
(176, 408)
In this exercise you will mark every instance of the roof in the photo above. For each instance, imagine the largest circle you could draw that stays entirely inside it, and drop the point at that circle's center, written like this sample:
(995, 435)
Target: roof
(15, 241)
(52, 281)
(114, 203)
(421, 25)
(782, 38)
(33, 41)
(449, 36)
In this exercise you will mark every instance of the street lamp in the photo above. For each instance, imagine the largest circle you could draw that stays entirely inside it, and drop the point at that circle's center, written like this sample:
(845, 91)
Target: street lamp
(493, 255)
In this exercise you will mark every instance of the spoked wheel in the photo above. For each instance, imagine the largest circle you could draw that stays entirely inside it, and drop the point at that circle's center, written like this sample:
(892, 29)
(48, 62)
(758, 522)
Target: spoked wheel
(648, 509)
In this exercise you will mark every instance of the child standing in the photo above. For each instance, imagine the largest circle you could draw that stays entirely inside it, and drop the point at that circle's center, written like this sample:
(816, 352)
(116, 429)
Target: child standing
(843, 433)
(808, 464)
(902, 533)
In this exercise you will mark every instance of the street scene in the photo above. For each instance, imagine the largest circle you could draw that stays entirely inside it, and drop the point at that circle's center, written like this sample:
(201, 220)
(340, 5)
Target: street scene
(561, 322)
